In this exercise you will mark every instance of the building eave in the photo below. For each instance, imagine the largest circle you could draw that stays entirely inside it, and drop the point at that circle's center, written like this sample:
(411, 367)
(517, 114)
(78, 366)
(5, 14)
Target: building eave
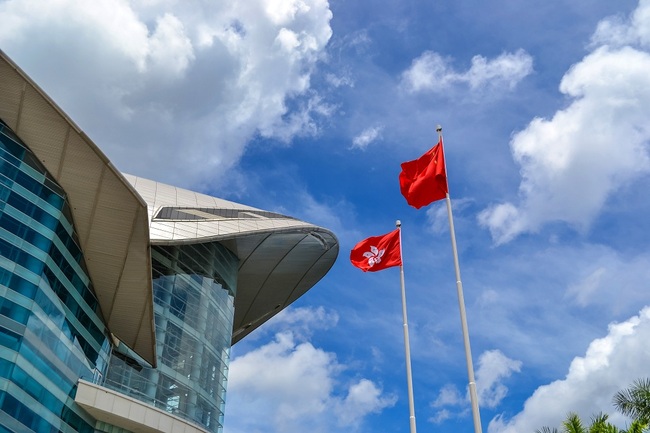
(280, 258)
(109, 216)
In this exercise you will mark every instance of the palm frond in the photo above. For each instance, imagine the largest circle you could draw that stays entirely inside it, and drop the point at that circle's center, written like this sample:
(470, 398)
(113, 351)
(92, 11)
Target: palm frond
(573, 424)
(636, 427)
(635, 400)
(546, 429)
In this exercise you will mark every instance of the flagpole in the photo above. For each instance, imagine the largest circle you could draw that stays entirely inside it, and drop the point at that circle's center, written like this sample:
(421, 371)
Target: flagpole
(463, 318)
(407, 348)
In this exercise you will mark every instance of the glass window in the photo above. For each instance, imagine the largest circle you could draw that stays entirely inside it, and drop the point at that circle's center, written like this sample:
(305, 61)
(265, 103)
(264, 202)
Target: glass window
(42, 262)
(13, 311)
(193, 317)
(9, 339)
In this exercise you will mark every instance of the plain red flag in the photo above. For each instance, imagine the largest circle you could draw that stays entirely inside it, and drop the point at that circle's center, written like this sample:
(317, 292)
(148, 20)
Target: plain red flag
(424, 180)
(377, 252)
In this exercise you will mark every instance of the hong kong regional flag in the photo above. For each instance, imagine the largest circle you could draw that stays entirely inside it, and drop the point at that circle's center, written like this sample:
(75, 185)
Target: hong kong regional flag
(377, 253)
(424, 180)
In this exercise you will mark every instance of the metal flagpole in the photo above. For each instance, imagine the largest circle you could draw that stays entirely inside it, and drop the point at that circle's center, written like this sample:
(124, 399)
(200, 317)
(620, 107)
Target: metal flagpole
(463, 318)
(407, 348)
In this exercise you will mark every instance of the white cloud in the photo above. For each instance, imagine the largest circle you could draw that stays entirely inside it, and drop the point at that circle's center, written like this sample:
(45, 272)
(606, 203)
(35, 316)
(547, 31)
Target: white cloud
(292, 388)
(364, 397)
(170, 50)
(302, 120)
(366, 137)
(441, 416)
(299, 376)
(284, 11)
(505, 221)
(610, 364)
(571, 163)
(340, 80)
(448, 396)
(618, 31)
(493, 368)
(302, 321)
(145, 79)
(431, 72)
(505, 71)
(552, 300)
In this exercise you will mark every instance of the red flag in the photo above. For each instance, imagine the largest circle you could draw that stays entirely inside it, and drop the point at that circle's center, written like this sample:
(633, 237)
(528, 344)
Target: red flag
(377, 253)
(424, 180)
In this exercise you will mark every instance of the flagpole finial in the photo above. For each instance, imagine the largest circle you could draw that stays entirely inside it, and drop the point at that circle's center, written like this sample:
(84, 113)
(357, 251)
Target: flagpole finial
(438, 128)
(398, 224)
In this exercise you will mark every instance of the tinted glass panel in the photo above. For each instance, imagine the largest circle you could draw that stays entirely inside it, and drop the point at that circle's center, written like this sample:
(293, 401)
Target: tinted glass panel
(193, 313)
(56, 335)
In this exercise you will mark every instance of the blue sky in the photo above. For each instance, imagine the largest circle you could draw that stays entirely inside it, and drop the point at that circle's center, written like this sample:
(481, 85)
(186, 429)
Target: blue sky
(308, 107)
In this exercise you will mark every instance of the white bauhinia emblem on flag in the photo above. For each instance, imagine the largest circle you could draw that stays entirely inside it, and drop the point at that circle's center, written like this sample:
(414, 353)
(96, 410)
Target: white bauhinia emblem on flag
(377, 253)
(374, 255)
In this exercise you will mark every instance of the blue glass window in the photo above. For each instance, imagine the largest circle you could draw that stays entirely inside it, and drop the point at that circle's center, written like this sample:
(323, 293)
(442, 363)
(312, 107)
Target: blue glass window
(37, 235)
(194, 308)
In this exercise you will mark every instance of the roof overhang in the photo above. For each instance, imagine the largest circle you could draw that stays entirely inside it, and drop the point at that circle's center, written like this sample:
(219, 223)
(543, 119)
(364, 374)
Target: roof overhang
(109, 216)
(280, 258)
(276, 268)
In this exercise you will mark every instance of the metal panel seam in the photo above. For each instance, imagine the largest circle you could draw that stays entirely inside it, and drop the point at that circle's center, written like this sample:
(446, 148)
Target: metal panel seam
(280, 260)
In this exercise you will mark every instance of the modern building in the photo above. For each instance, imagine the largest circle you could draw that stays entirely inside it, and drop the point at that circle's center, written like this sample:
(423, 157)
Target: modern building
(120, 297)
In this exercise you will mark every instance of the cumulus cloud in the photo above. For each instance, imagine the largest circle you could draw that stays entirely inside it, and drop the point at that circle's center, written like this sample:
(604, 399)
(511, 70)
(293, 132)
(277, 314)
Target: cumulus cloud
(288, 387)
(366, 137)
(493, 368)
(631, 31)
(572, 162)
(433, 73)
(363, 397)
(149, 79)
(610, 364)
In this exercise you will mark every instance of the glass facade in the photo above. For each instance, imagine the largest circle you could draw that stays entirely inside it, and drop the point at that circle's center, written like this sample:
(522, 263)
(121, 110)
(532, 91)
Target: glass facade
(51, 330)
(194, 288)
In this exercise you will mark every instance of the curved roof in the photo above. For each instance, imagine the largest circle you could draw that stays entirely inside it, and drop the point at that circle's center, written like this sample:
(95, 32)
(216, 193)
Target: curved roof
(280, 257)
(109, 216)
